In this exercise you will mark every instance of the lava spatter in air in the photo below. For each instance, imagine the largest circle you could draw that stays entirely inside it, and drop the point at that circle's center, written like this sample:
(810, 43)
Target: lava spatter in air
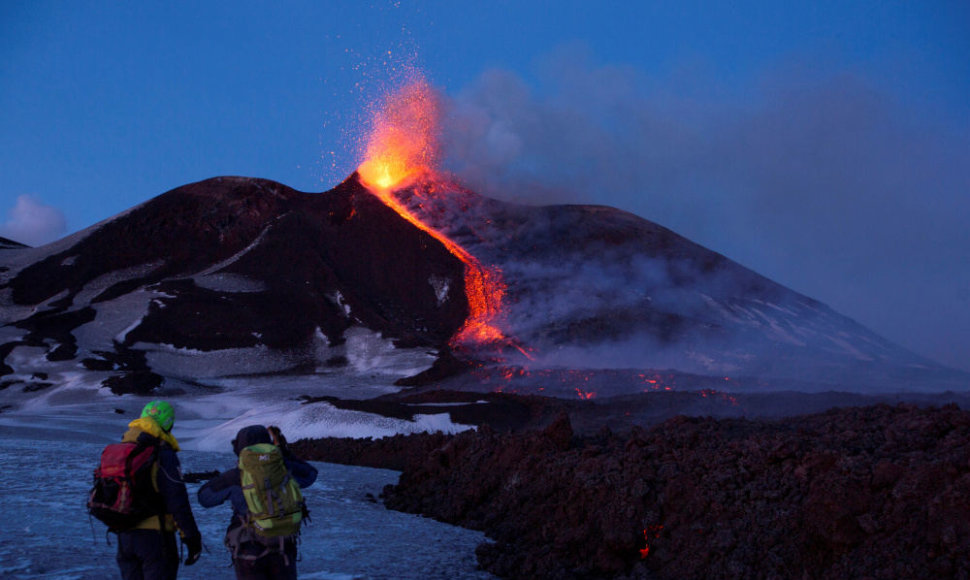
(402, 153)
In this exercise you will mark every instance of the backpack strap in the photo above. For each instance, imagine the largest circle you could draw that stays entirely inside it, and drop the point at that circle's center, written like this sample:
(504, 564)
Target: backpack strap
(141, 444)
(244, 534)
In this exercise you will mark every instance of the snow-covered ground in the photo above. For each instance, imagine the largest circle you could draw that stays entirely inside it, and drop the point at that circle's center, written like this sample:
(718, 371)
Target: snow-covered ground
(51, 439)
(46, 474)
(211, 410)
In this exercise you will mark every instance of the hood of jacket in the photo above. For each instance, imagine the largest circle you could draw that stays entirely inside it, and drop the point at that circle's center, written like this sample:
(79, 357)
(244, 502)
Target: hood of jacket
(148, 425)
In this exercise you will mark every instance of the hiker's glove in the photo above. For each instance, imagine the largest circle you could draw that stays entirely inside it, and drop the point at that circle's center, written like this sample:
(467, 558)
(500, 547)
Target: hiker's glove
(194, 544)
(219, 483)
(277, 436)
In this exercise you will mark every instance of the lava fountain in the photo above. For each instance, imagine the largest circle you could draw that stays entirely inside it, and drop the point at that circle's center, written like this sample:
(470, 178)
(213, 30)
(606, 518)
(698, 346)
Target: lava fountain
(402, 152)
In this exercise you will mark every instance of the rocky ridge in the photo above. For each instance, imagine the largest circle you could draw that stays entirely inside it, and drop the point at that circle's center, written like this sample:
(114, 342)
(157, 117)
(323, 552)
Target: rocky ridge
(877, 491)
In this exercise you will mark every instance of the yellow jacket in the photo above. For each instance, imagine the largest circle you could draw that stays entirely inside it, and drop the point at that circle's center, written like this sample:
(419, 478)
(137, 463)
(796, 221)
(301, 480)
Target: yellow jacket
(135, 429)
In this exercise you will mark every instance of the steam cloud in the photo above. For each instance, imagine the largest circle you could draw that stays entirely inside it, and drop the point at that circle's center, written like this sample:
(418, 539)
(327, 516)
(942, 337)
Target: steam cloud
(33, 223)
(826, 185)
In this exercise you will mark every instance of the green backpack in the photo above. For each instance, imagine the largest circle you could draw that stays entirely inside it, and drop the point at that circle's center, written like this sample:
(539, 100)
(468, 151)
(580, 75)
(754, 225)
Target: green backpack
(276, 505)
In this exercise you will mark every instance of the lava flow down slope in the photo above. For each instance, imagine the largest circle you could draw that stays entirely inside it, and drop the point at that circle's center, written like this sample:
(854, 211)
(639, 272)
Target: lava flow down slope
(265, 279)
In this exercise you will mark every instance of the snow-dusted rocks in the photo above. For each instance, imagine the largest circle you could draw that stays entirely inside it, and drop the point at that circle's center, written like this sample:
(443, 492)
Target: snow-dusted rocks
(230, 276)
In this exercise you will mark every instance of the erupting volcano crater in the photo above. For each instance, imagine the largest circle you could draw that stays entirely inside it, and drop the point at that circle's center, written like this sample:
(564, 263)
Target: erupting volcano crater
(236, 275)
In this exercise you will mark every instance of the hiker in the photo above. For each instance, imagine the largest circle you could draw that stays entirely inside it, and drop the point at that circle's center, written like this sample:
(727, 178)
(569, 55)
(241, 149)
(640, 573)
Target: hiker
(254, 554)
(148, 550)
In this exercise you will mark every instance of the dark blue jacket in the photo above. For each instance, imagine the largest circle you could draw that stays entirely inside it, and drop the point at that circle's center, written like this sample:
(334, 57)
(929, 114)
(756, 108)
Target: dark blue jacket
(228, 485)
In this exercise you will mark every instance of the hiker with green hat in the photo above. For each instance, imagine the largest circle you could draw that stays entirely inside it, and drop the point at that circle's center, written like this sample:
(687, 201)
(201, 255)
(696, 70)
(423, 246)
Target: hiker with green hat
(149, 549)
(162, 412)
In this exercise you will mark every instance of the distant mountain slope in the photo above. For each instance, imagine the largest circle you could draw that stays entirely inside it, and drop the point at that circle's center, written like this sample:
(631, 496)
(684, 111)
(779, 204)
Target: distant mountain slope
(238, 275)
(7, 244)
(597, 287)
(229, 264)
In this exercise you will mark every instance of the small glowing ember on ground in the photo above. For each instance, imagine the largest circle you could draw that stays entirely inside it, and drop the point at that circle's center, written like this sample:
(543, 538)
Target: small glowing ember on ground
(651, 533)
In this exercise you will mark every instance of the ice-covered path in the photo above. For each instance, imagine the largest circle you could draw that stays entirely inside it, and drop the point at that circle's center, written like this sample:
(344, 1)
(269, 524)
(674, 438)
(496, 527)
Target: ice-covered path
(45, 476)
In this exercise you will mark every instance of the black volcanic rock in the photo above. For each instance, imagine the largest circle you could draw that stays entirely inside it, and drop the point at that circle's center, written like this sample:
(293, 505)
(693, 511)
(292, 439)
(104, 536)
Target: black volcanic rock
(868, 492)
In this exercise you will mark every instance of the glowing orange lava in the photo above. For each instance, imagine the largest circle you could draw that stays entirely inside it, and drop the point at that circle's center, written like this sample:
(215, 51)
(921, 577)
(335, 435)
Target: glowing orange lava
(651, 533)
(403, 149)
(403, 142)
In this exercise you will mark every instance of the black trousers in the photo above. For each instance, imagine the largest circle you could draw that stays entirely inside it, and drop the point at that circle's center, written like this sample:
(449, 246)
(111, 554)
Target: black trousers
(147, 555)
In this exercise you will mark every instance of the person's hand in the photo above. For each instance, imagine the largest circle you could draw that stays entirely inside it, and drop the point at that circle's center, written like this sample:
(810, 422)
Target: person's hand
(277, 436)
(218, 483)
(194, 544)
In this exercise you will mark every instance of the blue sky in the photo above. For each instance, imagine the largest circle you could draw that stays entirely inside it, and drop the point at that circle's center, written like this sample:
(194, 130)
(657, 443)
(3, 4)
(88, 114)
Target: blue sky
(824, 144)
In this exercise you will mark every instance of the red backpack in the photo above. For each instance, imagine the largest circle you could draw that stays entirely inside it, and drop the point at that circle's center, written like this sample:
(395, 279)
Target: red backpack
(124, 493)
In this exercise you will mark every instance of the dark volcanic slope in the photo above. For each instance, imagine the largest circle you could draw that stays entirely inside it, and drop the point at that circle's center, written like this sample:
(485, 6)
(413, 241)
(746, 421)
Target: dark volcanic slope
(238, 262)
(597, 287)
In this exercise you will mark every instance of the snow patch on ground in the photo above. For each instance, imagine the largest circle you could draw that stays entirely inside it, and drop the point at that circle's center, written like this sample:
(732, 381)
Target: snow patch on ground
(105, 281)
(369, 352)
(171, 361)
(210, 412)
(783, 310)
(229, 283)
(10, 334)
(312, 421)
(114, 319)
(724, 311)
(235, 257)
(28, 359)
(847, 347)
(339, 300)
(323, 351)
(72, 393)
(776, 329)
(11, 312)
(441, 286)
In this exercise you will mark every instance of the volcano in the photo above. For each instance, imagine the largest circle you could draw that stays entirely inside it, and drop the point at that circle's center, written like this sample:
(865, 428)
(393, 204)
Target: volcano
(6, 244)
(234, 276)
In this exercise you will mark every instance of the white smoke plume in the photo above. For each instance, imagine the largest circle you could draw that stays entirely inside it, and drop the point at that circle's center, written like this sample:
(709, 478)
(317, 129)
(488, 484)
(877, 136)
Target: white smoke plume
(822, 182)
(32, 222)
